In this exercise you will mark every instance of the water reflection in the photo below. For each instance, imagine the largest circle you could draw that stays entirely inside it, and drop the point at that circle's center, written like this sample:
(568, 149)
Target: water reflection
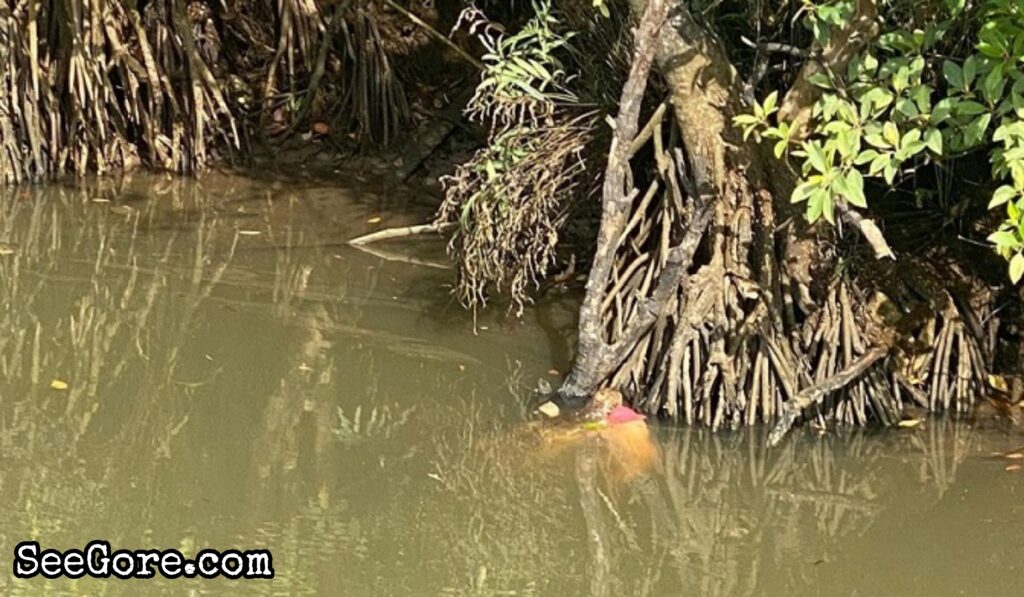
(722, 515)
(236, 377)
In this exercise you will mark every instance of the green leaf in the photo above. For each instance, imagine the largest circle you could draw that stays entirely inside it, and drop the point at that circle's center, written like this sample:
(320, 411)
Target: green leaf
(994, 85)
(933, 139)
(815, 205)
(891, 133)
(877, 97)
(970, 108)
(879, 163)
(907, 108)
(889, 172)
(780, 148)
(1001, 196)
(953, 73)
(855, 189)
(877, 140)
(922, 95)
(803, 191)
(1016, 267)
(975, 131)
(828, 209)
(816, 156)
(943, 109)
(865, 156)
(970, 69)
(820, 80)
(1002, 238)
(911, 137)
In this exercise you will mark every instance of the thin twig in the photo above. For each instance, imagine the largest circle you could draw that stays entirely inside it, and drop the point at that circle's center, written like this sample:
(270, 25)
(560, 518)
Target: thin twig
(436, 34)
(868, 229)
(776, 47)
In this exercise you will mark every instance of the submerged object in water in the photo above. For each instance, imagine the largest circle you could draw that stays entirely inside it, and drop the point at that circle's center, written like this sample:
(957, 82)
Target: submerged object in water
(606, 408)
(624, 414)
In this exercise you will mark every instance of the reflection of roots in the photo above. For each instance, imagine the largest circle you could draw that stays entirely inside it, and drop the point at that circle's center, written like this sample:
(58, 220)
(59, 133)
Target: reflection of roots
(715, 495)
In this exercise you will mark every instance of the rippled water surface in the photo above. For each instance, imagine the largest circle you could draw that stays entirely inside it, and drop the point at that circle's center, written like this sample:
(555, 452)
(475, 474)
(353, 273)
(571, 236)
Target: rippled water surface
(195, 364)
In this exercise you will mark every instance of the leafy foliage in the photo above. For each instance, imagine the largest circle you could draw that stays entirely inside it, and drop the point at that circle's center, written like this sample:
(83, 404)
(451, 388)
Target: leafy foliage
(512, 197)
(524, 71)
(914, 97)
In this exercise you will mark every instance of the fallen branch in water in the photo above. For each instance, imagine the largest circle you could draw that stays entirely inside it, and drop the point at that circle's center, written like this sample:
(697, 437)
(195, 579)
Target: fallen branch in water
(815, 393)
(401, 232)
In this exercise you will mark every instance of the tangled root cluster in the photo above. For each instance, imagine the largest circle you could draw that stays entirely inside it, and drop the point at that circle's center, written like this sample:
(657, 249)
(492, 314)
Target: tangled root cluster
(176, 84)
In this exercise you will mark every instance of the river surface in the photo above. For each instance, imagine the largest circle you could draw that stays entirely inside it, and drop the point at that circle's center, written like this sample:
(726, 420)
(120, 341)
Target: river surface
(189, 364)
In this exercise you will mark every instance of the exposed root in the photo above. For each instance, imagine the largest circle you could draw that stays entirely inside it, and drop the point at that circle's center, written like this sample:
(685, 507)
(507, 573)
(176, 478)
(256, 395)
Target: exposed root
(735, 345)
(106, 89)
(814, 394)
(91, 86)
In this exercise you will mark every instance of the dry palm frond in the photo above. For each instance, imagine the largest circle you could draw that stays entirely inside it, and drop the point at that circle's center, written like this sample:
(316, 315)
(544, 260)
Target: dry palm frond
(510, 203)
(512, 198)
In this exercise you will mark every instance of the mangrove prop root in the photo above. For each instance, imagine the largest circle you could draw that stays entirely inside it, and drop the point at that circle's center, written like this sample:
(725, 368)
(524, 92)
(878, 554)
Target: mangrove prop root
(90, 86)
(733, 332)
(815, 394)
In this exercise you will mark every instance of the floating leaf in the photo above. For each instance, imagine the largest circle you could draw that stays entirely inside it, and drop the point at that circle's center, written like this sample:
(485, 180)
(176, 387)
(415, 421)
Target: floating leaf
(59, 385)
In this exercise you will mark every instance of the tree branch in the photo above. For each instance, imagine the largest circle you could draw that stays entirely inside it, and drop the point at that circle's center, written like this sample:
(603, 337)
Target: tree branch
(616, 198)
(814, 394)
(776, 47)
(868, 229)
(402, 232)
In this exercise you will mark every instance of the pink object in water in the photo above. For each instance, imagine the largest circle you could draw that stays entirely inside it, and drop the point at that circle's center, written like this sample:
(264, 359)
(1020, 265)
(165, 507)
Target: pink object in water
(624, 414)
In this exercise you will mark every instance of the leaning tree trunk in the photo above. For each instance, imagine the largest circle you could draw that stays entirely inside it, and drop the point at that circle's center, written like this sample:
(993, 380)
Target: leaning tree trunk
(699, 304)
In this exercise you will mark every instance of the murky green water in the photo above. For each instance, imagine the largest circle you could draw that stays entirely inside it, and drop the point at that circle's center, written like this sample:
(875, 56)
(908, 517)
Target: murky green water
(237, 377)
